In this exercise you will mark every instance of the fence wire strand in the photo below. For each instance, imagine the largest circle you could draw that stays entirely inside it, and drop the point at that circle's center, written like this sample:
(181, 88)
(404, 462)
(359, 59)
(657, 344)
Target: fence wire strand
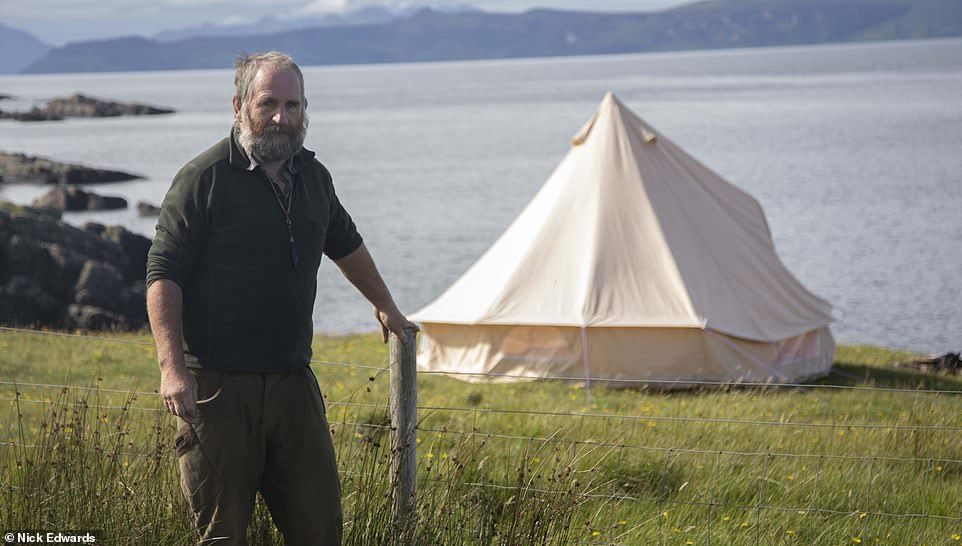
(692, 451)
(759, 507)
(545, 413)
(684, 419)
(576, 379)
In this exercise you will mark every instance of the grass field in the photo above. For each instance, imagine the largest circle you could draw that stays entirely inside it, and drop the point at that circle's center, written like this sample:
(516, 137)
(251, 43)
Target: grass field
(524, 463)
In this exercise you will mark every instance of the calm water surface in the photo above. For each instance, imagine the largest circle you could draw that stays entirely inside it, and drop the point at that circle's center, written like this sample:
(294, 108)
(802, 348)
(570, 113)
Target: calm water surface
(855, 152)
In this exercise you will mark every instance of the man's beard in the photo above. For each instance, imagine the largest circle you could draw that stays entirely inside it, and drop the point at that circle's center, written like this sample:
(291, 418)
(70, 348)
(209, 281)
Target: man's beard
(269, 141)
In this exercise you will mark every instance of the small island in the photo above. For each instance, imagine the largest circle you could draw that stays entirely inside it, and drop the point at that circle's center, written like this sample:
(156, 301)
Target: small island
(24, 169)
(71, 199)
(82, 106)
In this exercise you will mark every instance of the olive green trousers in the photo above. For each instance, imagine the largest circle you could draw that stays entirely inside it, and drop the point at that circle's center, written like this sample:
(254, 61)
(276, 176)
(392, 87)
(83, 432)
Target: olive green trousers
(264, 432)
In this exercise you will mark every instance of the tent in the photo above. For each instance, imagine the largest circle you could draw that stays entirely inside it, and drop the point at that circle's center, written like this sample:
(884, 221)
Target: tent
(634, 262)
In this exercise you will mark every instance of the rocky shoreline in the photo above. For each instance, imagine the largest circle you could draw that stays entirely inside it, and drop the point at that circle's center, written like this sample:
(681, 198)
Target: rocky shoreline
(56, 275)
(82, 106)
(147, 210)
(25, 169)
(71, 198)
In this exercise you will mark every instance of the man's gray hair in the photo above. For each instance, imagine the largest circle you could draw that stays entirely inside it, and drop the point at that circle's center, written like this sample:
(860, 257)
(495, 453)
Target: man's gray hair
(246, 67)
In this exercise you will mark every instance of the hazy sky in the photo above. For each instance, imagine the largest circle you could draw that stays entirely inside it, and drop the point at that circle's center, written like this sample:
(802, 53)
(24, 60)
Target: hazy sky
(59, 21)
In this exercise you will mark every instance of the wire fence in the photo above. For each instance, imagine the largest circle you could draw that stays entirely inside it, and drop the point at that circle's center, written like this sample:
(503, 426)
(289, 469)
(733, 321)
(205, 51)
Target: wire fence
(548, 377)
(478, 432)
(505, 411)
(864, 501)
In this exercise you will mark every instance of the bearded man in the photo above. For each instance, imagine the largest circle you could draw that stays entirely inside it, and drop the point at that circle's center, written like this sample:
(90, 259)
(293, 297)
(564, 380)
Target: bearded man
(232, 279)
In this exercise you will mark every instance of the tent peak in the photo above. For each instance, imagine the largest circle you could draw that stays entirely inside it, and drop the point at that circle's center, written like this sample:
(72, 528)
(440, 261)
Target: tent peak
(610, 103)
(610, 106)
(582, 135)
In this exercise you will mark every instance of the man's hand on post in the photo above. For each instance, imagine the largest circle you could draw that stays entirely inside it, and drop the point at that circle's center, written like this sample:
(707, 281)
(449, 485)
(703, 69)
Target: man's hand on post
(393, 321)
(178, 388)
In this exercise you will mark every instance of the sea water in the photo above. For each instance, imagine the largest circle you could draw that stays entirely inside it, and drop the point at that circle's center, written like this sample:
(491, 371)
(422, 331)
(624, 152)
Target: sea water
(854, 151)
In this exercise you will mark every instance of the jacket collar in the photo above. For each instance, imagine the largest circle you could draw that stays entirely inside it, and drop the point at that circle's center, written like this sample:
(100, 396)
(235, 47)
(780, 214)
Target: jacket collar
(239, 159)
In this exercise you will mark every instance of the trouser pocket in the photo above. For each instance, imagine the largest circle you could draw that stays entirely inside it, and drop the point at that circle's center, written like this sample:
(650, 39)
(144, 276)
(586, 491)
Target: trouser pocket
(317, 385)
(209, 387)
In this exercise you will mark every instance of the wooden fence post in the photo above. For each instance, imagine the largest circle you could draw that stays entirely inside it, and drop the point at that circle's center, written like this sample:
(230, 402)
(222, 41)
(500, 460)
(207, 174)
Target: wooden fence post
(404, 418)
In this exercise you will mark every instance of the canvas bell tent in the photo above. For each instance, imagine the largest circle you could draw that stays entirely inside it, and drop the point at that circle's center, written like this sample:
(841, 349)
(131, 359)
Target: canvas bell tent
(633, 262)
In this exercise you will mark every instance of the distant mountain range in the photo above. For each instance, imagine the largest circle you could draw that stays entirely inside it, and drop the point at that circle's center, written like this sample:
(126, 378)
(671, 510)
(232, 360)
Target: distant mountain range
(430, 35)
(18, 49)
(271, 25)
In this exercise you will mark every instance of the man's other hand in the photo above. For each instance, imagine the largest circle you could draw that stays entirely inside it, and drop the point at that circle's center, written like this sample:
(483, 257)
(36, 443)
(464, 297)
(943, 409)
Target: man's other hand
(393, 321)
(178, 388)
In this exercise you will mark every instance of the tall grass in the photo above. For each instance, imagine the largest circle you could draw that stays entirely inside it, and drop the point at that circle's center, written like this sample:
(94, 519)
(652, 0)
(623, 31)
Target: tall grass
(760, 473)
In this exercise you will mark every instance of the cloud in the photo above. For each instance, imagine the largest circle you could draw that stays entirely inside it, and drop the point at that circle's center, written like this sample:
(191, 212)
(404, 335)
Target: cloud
(236, 19)
(314, 7)
(231, 6)
(59, 8)
(322, 6)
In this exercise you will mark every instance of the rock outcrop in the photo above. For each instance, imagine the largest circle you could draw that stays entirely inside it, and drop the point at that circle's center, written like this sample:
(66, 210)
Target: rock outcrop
(82, 106)
(147, 209)
(56, 275)
(948, 364)
(25, 169)
(72, 198)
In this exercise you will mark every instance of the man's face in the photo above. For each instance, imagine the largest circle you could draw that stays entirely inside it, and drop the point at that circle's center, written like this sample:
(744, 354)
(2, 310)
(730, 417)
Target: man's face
(272, 122)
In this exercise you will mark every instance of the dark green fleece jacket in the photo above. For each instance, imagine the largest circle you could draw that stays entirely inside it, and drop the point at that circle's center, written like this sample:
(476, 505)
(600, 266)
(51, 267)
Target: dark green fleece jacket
(223, 238)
